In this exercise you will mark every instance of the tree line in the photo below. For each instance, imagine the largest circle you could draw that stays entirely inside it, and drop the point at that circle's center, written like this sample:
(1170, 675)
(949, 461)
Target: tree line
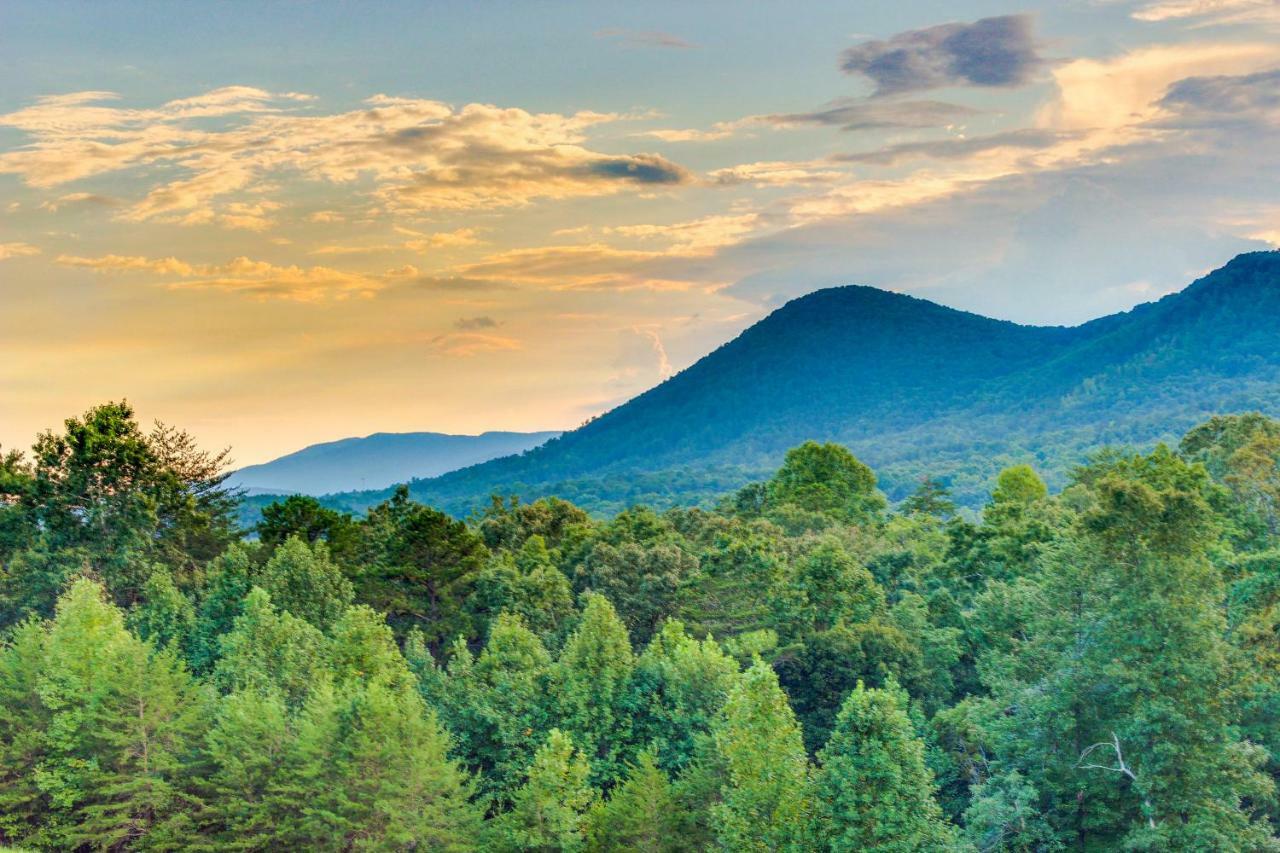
(802, 667)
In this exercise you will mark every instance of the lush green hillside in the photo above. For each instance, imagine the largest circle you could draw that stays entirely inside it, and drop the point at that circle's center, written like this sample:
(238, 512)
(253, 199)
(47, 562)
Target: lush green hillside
(379, 460)
(913, 388)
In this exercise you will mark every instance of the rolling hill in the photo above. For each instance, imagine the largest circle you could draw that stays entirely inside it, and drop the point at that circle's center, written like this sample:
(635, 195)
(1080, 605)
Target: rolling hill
(914, 389)
(378, 460)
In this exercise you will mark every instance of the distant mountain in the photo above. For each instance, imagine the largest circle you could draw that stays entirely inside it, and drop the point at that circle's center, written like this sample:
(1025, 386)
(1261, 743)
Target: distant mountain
(379, 460)
(914, 389)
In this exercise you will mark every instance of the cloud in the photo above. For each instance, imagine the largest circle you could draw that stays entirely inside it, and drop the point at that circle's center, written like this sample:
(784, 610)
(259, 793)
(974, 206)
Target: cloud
(1113, 99)
(695, 235)
(592, 266)
(471, 324)
(419, 242)
(254, 278)
(79, 200)
(17, 250)
(776, 173)
(1211, 101)
(326, 217)
(1215, 11)
(464, 344)
(645, 38)
(949, 149)
(997, 51)
(851, 114)
(420, 155)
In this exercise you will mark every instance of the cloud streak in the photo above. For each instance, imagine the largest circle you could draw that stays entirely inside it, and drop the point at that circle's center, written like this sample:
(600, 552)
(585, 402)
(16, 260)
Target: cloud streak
(258, 279)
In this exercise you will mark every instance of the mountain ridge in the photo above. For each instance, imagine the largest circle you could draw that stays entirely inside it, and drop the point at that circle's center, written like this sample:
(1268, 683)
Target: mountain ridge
(380, 458)
(914, 388)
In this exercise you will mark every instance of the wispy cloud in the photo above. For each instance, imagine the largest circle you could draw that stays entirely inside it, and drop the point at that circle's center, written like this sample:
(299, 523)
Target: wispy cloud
(464, 344)
(645, 38)
(1210, 11)
(254, 278)
(17, 250)
(857, 114)
(471, 324)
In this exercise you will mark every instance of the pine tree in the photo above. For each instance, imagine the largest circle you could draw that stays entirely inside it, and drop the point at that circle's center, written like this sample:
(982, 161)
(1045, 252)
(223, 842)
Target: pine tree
(679, 686)
(639, 815)
(165, 616)
(594, 673)
(124, 717)
(873, 790)
(23, 723)
(549, 810)
(229, 580)
(245, 749)
(765, 792)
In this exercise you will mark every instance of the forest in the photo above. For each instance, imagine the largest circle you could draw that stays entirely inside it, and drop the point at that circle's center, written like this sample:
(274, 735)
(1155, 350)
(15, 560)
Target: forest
(801, 667)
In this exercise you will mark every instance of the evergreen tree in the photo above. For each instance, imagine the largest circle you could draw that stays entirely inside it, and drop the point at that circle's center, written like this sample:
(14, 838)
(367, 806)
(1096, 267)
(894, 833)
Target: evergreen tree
(165, 616)
(765, 791)
(25, 718)
(549, 811)
(594, 674)
(639, 815)
(226, 587)
(873, 790)
(123, 718)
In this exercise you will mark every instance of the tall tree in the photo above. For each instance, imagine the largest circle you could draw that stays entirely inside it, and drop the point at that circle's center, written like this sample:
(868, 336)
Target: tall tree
(549, 812)
(301, 579)
(873, 791)
(765, 791)
(123, 718)
(640, 814)
(593, 676)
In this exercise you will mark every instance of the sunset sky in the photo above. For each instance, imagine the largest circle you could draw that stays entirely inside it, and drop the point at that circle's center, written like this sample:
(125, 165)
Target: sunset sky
(281, 223)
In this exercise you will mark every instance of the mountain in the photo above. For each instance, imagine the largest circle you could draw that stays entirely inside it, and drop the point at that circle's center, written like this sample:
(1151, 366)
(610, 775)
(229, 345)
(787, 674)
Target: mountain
(914, 389)
(379, 460)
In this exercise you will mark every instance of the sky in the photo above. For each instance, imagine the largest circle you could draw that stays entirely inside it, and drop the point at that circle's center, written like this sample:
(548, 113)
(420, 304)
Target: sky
(280, 223)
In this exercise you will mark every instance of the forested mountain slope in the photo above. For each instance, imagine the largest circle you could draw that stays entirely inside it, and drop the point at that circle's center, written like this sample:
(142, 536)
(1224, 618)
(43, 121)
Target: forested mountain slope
(913, 388)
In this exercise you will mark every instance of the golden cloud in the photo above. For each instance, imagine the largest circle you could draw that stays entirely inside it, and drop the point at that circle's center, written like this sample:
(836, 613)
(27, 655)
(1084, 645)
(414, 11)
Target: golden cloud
(254, 278)
(419, 154)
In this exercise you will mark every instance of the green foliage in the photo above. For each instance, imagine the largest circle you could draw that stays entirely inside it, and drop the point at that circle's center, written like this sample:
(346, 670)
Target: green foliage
(639, 815)
(302, 580)
(421, 569)
(271, 652)
(1094, 669)
(765, 797)
(873, 791)
(825, 479)
(550, 809)
(593, 674)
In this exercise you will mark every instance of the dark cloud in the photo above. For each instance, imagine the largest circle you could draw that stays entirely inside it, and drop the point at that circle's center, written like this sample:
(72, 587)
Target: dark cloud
(645, 38)
(1213, 100)
(638, 169)
(851, 114)
(471, 324)
(949, 149)
(998, 51)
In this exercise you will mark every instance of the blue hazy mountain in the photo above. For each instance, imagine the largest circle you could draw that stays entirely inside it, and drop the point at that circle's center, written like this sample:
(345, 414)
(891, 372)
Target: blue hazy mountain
(915, 389)
(379, 460)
